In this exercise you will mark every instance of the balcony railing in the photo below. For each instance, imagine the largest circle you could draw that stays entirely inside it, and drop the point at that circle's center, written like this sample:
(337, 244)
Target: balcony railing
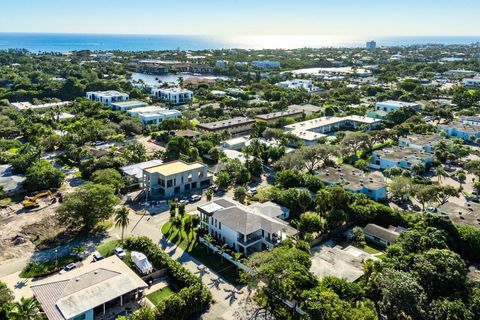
(250, 239)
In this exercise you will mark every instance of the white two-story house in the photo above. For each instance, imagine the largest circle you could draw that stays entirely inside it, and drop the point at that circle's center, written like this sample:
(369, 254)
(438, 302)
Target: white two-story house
(246, 229)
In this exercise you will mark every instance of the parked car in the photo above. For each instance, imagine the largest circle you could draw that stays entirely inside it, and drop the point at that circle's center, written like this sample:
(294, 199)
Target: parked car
(119, 252)
(195, 198)
(431, 209)
(68, 267)
(183, 201)
(252, 190)
(97, 256)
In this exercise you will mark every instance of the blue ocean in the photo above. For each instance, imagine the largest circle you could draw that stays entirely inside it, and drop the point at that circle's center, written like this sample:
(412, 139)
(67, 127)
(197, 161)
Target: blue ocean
(48, 42)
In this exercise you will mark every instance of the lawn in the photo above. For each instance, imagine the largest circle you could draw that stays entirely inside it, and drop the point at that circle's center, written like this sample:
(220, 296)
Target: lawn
(225, 268)
(106, 248)
(34, 269)
(161, 294)
(368, 248)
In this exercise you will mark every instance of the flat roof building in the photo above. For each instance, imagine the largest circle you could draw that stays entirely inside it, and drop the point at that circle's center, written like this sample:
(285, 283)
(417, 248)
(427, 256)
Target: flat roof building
(298, 84)
(274, 116)
(405, 158)
(372, 185)
(235, 125)
(174, 178)
(107, 97)
(422, 142)
(456, 129)
(310, 130)
(20, 106)
(127, 105)
(173, 95)
(154, 114)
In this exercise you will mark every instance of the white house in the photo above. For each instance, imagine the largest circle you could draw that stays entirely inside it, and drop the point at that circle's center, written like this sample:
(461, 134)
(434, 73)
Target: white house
(298, 84)
(173, 95)
(107, 97)
(154, 114)
(391, 105)
(246, 229)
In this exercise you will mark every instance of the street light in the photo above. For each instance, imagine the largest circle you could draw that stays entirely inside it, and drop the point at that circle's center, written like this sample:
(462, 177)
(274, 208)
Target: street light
(56, 257)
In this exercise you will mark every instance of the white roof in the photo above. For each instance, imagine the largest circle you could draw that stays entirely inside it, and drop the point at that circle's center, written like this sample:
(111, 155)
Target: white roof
(398, 104)
(325, 121)
(136, 170)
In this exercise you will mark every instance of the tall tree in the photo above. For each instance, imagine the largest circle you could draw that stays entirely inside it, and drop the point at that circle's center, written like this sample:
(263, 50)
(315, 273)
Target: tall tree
(121, 218)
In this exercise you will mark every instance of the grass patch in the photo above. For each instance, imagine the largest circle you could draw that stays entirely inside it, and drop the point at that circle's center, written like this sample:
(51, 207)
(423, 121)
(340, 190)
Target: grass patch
(368, 247)
(225, 269)
(34, 269)
(106, 248)
(161, 294)
(5, 202)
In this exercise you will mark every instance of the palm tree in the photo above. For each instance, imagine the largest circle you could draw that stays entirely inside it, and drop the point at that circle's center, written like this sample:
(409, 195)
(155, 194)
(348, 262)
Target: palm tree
(221, 251)
(26, 309)
(177, 224)
(209, 194)
(188, 227)
(441, 173)
(209, 239)
(121, 218)
(237, 256)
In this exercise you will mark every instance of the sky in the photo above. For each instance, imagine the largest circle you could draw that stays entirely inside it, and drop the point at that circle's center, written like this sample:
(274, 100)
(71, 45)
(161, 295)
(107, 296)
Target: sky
(361, 18)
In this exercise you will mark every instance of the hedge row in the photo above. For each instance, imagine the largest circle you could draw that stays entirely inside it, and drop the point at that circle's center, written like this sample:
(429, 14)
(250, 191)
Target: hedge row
(194, 297)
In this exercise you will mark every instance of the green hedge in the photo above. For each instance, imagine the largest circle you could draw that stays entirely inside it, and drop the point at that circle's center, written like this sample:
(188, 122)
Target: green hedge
(194, 297)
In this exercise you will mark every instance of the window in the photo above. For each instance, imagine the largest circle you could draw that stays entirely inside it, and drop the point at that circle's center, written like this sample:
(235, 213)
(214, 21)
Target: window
(220, 226)
(169, 183)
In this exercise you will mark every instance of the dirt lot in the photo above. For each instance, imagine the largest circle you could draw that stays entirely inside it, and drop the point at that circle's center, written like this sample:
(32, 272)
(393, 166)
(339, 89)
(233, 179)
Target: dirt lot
(22, 230)
(150, 146)
(15, 221)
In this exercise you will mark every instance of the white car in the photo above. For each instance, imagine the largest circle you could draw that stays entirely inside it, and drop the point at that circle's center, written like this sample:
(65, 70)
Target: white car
(119, 252)
(68, 267)
(252, 190)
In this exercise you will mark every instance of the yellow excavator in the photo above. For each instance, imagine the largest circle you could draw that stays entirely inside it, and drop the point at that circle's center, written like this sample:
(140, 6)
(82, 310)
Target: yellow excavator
(31, 202)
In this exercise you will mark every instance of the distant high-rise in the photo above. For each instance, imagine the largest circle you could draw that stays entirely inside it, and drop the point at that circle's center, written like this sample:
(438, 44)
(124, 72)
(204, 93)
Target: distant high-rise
(371, 45)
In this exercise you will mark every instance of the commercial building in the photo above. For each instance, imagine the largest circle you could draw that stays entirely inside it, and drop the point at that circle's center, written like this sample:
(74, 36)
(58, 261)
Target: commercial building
(127, 105)
(275, 116)
(381, 236)
(311, 130)
(174, 178)
(472, 83)
(246, 229)
(265, 65)
(391, 105)
(371, 45)
(237, 125)
(422, 142)
(372, 185)
(154, 114)
(298, 84)
(173, 95)
(405, 158)
(107, 97)
(89, 291)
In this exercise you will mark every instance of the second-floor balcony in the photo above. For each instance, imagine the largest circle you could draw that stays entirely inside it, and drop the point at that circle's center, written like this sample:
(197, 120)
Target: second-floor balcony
(249, 239)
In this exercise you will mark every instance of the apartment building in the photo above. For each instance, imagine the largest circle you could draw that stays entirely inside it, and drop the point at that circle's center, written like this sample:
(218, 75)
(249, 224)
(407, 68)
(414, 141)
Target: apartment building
(275, 116)
(405, 158)
(467, 130)
(246, 229)
(311, 130)
(426, 143)
(107, 97)
(173, 178)
(127, 105)
(472, 83)
(298, 84)
(372, 185)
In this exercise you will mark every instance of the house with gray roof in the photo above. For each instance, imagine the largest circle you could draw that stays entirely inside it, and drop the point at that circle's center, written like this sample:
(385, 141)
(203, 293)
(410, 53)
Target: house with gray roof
(89, 291)
(246, 229)
(381, 236)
